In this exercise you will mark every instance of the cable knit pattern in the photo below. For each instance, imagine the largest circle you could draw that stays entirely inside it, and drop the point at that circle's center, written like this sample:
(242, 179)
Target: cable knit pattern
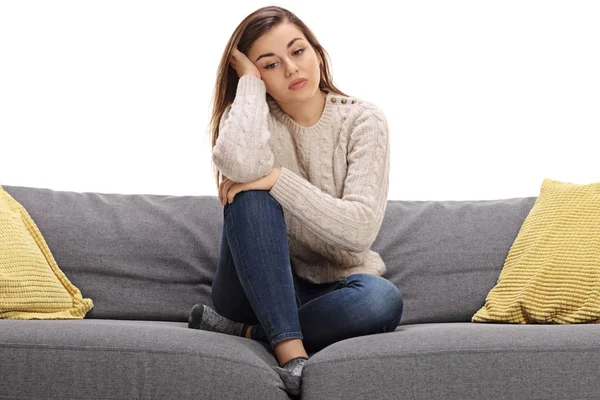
(242, 145)
(334, 177)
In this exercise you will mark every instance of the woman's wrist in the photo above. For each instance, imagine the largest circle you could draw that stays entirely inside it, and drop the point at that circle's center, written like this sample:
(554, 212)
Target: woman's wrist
(276, 172)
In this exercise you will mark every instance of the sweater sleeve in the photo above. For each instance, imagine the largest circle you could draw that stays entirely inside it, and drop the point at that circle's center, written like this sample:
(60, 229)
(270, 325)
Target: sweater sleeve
(352, 222)
(242, 152)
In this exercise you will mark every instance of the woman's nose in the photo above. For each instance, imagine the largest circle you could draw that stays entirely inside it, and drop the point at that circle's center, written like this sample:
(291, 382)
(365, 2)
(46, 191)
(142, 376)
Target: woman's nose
(291, 67)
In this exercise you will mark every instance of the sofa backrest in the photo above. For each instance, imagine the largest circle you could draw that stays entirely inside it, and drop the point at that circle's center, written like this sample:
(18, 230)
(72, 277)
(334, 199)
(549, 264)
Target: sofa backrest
(445, 256)
(152, 257)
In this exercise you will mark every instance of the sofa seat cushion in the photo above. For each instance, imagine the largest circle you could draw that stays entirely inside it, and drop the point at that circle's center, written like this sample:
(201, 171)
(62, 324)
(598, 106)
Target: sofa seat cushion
(165, 360)
(131, 359)
(460, 360)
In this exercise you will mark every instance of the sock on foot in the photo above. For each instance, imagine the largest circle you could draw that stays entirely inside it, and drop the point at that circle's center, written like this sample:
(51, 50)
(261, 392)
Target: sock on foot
(205, 318)
(291, 374)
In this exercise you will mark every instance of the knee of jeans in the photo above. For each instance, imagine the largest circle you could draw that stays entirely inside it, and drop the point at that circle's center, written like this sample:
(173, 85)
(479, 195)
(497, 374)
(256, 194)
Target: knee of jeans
(390, 299)
(252, 198)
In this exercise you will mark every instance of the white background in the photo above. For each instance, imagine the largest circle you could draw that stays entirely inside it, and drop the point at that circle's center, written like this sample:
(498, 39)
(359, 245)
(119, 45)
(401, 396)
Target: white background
(483, 99)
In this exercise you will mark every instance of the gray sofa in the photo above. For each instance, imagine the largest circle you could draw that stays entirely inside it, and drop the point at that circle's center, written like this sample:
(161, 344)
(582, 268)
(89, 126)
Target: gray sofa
(144, 260)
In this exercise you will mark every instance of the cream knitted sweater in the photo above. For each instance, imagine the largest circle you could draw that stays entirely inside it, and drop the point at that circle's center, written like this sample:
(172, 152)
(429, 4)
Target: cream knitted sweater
(334, 176)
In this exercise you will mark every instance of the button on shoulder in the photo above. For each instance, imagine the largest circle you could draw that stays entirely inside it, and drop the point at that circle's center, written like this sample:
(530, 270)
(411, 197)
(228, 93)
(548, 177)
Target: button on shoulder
(343, 100)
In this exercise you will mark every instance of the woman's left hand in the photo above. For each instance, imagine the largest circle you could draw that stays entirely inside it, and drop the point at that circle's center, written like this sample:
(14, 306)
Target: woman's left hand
(228, 188)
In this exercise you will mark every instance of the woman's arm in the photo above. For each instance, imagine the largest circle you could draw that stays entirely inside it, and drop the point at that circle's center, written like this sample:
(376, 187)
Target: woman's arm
(242, 151)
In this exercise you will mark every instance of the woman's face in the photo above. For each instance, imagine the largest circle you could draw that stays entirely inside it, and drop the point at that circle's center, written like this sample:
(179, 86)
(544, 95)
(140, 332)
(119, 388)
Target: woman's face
(286, 64)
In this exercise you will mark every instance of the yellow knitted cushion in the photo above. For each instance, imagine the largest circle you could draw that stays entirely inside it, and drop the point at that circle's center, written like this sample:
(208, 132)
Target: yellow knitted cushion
(31, 284)
(552, 271)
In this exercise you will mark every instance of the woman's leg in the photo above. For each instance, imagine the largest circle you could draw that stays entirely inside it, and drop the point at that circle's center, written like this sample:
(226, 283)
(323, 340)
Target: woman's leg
(361, 304)
(254, 282)
(228, 296)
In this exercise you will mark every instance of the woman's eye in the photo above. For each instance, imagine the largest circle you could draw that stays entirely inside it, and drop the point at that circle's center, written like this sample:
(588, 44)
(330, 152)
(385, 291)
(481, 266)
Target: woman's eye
(269, 66)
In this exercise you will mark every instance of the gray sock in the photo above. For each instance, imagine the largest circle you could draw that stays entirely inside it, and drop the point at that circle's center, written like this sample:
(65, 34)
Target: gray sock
(291, 374)
(205, 318)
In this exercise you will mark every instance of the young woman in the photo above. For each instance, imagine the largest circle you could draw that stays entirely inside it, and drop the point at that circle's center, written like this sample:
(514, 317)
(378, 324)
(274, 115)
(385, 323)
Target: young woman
(305, 181)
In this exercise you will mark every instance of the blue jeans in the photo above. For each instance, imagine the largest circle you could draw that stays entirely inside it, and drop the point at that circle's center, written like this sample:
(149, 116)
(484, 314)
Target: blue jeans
(256, 284)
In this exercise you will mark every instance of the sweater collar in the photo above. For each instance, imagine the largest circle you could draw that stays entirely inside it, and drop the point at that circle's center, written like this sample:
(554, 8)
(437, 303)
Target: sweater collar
(318, 127)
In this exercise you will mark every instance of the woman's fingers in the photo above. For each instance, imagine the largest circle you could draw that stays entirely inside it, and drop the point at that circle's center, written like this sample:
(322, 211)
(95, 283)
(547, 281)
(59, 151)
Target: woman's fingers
(221, 190)
(224, 188)
(243, 65)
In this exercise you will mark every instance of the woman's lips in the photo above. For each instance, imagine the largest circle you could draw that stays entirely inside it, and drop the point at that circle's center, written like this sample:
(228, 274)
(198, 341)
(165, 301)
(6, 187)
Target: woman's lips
(298, 85)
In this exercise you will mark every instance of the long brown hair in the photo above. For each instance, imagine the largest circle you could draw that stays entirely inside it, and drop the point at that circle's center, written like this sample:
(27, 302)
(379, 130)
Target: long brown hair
(246, 33)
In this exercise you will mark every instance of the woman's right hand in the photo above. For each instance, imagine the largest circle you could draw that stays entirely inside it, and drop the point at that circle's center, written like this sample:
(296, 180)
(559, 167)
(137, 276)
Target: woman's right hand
(243, 65)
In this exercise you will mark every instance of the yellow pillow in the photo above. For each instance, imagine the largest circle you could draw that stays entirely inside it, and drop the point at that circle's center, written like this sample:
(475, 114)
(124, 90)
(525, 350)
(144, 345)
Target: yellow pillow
(31, 284)
(552, 271)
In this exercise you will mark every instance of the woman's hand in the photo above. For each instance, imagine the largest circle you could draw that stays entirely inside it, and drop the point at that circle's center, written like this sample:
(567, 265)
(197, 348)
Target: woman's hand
(228, 188)
(243, 65)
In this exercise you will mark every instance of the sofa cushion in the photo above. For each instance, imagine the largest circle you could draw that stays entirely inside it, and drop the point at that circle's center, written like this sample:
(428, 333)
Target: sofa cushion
(445, 256)
(552, 272)
(460, 361)
(117, 359)
(32, 286)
